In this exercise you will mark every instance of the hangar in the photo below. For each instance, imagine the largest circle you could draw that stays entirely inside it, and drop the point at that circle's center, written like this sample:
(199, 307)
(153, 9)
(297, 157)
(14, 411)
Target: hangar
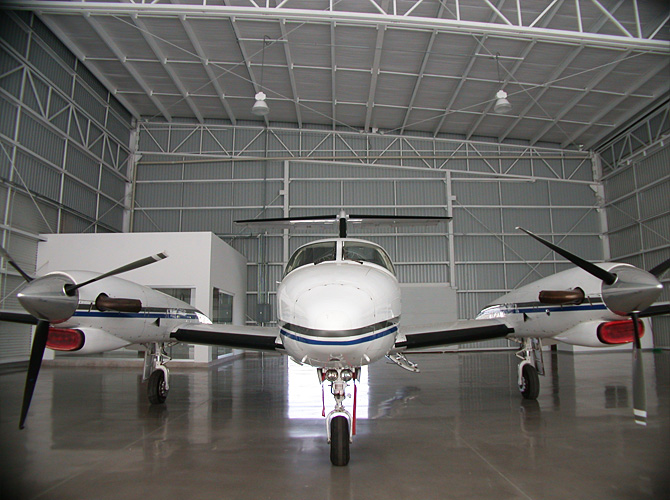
(181, 117)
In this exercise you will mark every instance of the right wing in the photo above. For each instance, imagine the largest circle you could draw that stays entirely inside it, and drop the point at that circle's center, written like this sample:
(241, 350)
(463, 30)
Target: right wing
(263, 338)
(458, 332)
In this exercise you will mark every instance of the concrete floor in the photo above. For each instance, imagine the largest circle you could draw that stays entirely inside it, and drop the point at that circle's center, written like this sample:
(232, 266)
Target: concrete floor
(253, 429)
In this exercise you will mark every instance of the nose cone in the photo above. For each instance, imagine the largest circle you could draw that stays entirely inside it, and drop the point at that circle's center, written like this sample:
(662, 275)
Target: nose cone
(335, 307)
(45, 298)
(633, 291)
(338, 296)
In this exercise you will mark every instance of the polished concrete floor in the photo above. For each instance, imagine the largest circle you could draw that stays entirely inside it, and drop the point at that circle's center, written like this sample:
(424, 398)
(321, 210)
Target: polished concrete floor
(253, 429)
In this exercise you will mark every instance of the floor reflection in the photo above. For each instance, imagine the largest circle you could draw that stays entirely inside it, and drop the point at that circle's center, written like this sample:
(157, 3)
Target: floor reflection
(459, 426)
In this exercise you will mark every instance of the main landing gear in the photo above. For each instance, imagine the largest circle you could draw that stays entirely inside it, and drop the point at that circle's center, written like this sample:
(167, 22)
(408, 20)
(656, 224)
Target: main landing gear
(340, 424)
(530, 366)
(156, 372)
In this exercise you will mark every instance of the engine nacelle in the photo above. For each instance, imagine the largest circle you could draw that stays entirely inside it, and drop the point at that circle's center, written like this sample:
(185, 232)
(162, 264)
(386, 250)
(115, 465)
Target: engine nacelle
(601, 333)
(83, 340)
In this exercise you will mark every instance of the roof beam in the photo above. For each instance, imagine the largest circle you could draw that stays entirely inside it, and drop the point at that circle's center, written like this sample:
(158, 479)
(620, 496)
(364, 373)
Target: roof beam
(462, 26)
(555, 74)
(505, 81)
(464, 77)
(291, 75)
(193, 38)
(575, 100)
(614, 103)
(92, 67)
(424, 62)
(375, 75)
(148, 37)
(102, 33)
(247, 63)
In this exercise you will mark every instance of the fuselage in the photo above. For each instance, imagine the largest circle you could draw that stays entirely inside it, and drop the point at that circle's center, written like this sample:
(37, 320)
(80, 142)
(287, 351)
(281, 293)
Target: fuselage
(338, 304)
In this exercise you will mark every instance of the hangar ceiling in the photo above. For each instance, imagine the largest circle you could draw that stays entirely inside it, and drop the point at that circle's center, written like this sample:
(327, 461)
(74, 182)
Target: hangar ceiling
(574, 70)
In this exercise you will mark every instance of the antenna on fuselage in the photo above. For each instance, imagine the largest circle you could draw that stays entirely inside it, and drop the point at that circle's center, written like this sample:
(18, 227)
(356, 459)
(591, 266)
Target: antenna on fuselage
(342, 217)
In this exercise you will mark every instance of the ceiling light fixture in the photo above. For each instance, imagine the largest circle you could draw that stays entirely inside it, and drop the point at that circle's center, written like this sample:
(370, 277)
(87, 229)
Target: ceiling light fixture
(260, 107)
(502, 105)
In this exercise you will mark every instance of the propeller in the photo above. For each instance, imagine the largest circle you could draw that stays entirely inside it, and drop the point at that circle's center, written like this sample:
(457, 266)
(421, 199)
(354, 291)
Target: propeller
(626, 291)
(54, 298)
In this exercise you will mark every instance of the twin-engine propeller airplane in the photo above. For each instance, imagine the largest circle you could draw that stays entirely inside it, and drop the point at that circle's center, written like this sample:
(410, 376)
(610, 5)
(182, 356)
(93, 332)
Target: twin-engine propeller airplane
(339, 309)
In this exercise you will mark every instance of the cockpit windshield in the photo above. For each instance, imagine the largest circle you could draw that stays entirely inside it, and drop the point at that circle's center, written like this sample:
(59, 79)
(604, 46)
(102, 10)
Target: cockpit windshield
(312, 254)
(364, 252)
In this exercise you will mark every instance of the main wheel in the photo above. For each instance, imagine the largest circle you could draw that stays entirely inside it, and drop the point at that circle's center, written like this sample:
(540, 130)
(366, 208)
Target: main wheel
(339, 441)
(530, 385)
(157, 390)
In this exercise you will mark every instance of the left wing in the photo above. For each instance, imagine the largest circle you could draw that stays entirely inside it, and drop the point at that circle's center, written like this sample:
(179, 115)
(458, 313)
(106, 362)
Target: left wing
(458, 332)
(263, 338)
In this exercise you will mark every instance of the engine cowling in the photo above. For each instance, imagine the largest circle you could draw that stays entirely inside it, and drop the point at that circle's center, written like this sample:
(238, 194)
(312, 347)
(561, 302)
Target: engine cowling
(83, 340)
(601, 333)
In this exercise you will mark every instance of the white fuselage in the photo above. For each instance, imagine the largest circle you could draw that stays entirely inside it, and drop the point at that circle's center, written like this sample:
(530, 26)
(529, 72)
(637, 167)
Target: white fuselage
(339, 312)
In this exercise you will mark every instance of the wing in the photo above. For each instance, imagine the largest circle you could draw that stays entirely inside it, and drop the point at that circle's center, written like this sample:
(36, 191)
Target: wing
(458, 332)
(239, 337)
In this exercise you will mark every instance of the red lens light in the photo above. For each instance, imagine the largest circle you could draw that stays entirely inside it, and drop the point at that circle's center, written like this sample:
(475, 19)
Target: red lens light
(65, 339)
(618, 332)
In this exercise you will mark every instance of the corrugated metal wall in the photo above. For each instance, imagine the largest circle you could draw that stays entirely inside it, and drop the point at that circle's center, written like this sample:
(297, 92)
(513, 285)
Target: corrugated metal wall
(188, 181)
(638, 217)
(64, 148)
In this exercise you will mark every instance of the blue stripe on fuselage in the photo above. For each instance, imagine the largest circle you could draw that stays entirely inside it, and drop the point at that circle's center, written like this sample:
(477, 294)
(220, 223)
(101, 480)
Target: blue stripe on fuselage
(334, 342)
(552, 309)
(140, 315)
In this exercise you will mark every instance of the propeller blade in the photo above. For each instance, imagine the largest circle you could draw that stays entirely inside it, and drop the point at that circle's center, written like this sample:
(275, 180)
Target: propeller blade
(660, 269)
(590, 268)
(36, 354)
(13, 263)
(70, 289)
(655, 310)
(639, 388)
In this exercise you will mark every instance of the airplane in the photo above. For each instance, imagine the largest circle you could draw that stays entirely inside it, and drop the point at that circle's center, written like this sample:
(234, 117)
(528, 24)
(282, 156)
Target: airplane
(339, 308)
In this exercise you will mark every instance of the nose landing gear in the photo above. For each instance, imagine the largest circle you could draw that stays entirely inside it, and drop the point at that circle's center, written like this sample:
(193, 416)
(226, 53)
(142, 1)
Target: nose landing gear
(156, 372)
(340, 425)
(531, 365)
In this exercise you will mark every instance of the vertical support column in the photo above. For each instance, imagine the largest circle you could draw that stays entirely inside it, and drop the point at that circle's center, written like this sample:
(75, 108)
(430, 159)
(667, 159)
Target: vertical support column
(285, 193)
(450, 229)
(599, 189)
(129, 200)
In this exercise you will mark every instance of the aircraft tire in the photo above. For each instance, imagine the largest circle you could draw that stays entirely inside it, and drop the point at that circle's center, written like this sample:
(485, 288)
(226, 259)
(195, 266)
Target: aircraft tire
(156, 388)
(339, 441)
(530, 388)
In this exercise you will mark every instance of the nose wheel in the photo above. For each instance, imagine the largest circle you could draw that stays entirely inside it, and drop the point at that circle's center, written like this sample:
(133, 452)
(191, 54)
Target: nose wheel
(339, 440)
(156, 373)
(340, 425)
(530, 367)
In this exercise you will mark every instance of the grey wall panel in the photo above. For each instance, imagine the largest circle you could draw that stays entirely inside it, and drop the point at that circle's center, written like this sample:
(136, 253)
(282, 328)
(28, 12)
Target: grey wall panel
(524, 193)
(579, 220)
(36, 175)
(79, 197)
(81, 165)
(535, 219)
(159, 195)
(476, 192)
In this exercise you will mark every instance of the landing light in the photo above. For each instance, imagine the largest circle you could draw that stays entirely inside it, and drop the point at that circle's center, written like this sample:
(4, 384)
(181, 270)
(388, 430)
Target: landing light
(331, 375)
(347, 375)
